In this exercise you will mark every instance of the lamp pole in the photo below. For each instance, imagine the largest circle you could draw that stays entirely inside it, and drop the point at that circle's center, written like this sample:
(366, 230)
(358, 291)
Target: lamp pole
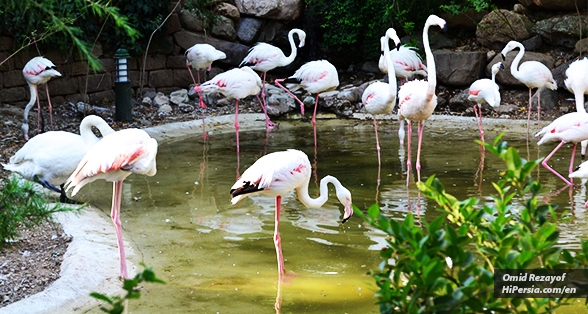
(122, 86)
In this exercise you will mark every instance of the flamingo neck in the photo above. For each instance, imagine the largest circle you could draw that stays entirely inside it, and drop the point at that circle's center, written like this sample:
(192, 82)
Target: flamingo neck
(324, 192)
(580, 102)
(514, 67)
(293, 48)
(86, 129)
(391, 72)
(431, 70)
(33, 90)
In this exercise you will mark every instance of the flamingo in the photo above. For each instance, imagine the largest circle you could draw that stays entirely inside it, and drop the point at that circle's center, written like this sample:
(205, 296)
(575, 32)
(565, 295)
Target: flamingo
(485, 91)
(50, 158)
(577, 83)
(379, 97)
(201, 56)
(115, 157)
(236, 83)
(38, 71)
(533, 74)
(265, 57)
(407, 62)
(581, 172)
(278, 173)
(571, 127)
(417, 98)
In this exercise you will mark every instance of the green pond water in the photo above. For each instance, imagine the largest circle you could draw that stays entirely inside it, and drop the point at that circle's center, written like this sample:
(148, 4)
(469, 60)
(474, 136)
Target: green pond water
(216, 257)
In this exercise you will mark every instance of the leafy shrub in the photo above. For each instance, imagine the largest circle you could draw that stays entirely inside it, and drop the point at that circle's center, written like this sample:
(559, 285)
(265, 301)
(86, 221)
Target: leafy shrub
(23, 206)
(511, 234)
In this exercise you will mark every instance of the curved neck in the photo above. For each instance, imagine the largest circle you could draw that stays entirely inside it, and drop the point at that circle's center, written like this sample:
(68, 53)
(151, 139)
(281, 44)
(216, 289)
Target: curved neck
(33, 90)
(431, 71)
(293, 48)
(514, 67)
(580, 102)
(86, 129)
(391, 72)
(494, 76)
(310, 202)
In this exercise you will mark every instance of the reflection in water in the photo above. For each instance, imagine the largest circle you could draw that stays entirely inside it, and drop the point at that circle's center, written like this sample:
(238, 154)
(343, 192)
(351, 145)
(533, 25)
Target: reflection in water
(216, 257)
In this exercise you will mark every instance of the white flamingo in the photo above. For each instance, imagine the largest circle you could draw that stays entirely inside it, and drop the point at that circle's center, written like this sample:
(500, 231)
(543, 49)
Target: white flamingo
(417, 99)
(533, 74)
(379, 97)
(280, 172)
(581, 172)
(569, 128)
(264, 57)
(235, 84)
(407, 62)
(201, 56)
(36, 72)
(485, 91)
(50, 158)
(577, 83)
(115, 157)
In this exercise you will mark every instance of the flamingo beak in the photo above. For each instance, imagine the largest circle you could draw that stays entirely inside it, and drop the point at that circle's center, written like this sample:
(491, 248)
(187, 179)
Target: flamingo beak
(503, 57)
(348, 212)
(398, 47)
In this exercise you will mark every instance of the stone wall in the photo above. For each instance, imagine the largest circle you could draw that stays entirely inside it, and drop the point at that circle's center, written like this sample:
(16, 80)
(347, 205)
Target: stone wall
(239, 26)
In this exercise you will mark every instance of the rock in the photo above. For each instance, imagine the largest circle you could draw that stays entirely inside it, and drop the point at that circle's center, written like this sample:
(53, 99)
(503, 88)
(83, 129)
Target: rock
(248, 29)
(459, 68)
(185, 108)
(161, 100)
(228, 10)
(271, 9)
(561, 30)
(271, 30)
(554, 4)
(193, 21)
(492, 32)
(581, 46)
(179, 97)
(504, 76)
(147, 101)
(548, 99)
(165, 109)
(460, 101)
(466, 20)
(279, 104)
(349, 94)
(533, 43)
(519, 8)
(370, 67)
(506, 109)
(224, 28)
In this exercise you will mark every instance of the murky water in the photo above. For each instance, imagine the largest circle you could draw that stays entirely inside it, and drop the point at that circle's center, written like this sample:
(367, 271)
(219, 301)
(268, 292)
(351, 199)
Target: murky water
(220, 258)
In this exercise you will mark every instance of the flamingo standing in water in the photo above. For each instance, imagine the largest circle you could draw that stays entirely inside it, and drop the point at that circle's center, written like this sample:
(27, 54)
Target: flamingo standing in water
(278, 173)
(571, 127)
(417, 98)
(533, 74)
(114, 158)
(485, 91)
(236, 84)
(201, 56)
(577, 83)
(50, 158)
(379, 97)
(264, 57)
(38, 71)
(581, 172)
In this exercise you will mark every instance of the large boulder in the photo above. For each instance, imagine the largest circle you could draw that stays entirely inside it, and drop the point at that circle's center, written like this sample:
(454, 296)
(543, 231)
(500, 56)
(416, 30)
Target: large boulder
(248, 29)
(271, 9)
(562, 30)
(193, 21)
(224, 28)
(459, 68)
(504, 76)
(501, 26)
(554, 4)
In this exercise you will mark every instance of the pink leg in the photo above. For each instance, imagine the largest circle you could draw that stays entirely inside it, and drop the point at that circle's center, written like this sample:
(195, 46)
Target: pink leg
(115, 216)
(192, 75)
(420, 136)
(314, 119)
(293, 96)
(38, 110)
(572, 161)
(50, 107)
(544, 163)
(529, 113)
(237, 123)
(477, 108)
(277, 239)
(538, 106)
(377, 141)
(408, 162)
(268, 123)
(201, 104)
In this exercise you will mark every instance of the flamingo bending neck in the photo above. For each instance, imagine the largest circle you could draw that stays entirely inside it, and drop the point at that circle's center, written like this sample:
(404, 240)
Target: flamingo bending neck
(310, 202)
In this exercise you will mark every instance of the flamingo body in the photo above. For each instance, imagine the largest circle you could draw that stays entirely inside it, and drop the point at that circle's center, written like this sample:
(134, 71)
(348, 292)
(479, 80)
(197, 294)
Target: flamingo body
(235, 84)
(485, 91)
(577, 82)
(201, 56)
(407, 63)
(264, 57)
(315, 77)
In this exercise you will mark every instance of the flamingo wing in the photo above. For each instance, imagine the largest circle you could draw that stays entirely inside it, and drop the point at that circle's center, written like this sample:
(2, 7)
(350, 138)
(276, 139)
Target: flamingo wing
(263, 56)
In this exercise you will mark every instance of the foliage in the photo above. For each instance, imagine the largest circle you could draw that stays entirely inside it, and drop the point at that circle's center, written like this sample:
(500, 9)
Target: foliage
(202, 9)
(456, 6)
(131, 287)
(23, 206)
(515, 233)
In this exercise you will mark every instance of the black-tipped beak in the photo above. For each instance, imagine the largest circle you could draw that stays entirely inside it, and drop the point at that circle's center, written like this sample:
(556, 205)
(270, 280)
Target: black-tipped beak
(398, 47)
(502, 66)
(503, 57)
(445, 28)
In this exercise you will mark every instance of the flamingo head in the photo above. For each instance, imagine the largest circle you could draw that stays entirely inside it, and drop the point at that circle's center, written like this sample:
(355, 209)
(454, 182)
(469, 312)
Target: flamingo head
(496, 67)
(344, 197)
(302, 38)
(435, 20)
(510, 46)
(391, 33)
(25, 130)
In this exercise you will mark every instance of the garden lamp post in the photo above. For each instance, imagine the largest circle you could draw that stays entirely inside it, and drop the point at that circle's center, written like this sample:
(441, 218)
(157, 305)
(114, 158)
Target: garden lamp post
(122, 86)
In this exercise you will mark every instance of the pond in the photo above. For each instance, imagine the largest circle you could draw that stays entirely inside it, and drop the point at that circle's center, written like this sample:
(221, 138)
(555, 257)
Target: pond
(216, 257)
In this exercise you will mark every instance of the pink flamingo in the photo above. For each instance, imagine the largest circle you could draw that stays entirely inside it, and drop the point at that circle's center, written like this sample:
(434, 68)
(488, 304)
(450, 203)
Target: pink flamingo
(533, 74)
(236, 83)
(379, 97)
(407, 62)
(581, 172)
(577, 83)
(264, 57)
(38, 71)
(278, 173)
(201, 56)
(50, 158)
(571, 127)
(417, 98)
(485, 91)
(114, 158)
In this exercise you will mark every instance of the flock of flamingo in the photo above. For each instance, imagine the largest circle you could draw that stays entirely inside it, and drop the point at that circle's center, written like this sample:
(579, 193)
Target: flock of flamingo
(70, 161)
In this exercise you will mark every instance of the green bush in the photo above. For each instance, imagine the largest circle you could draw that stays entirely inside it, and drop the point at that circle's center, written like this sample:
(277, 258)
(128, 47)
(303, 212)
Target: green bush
(519, 234)
(23, 206)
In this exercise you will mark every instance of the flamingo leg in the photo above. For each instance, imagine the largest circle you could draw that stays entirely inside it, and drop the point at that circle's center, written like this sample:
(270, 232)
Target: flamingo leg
(477, 108)
(408, 162)
(201, 103)
(291, 94)
(237, 123)
(544, 163)
(115, 216)
(421, 126)
(538, 106)
(50, 106)
(278, 304)
(583, 149)
(192, 75)
(277, 239)
(38, 109)
(572, 161)
(268, 123)
(529, 112)
(377, 142)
